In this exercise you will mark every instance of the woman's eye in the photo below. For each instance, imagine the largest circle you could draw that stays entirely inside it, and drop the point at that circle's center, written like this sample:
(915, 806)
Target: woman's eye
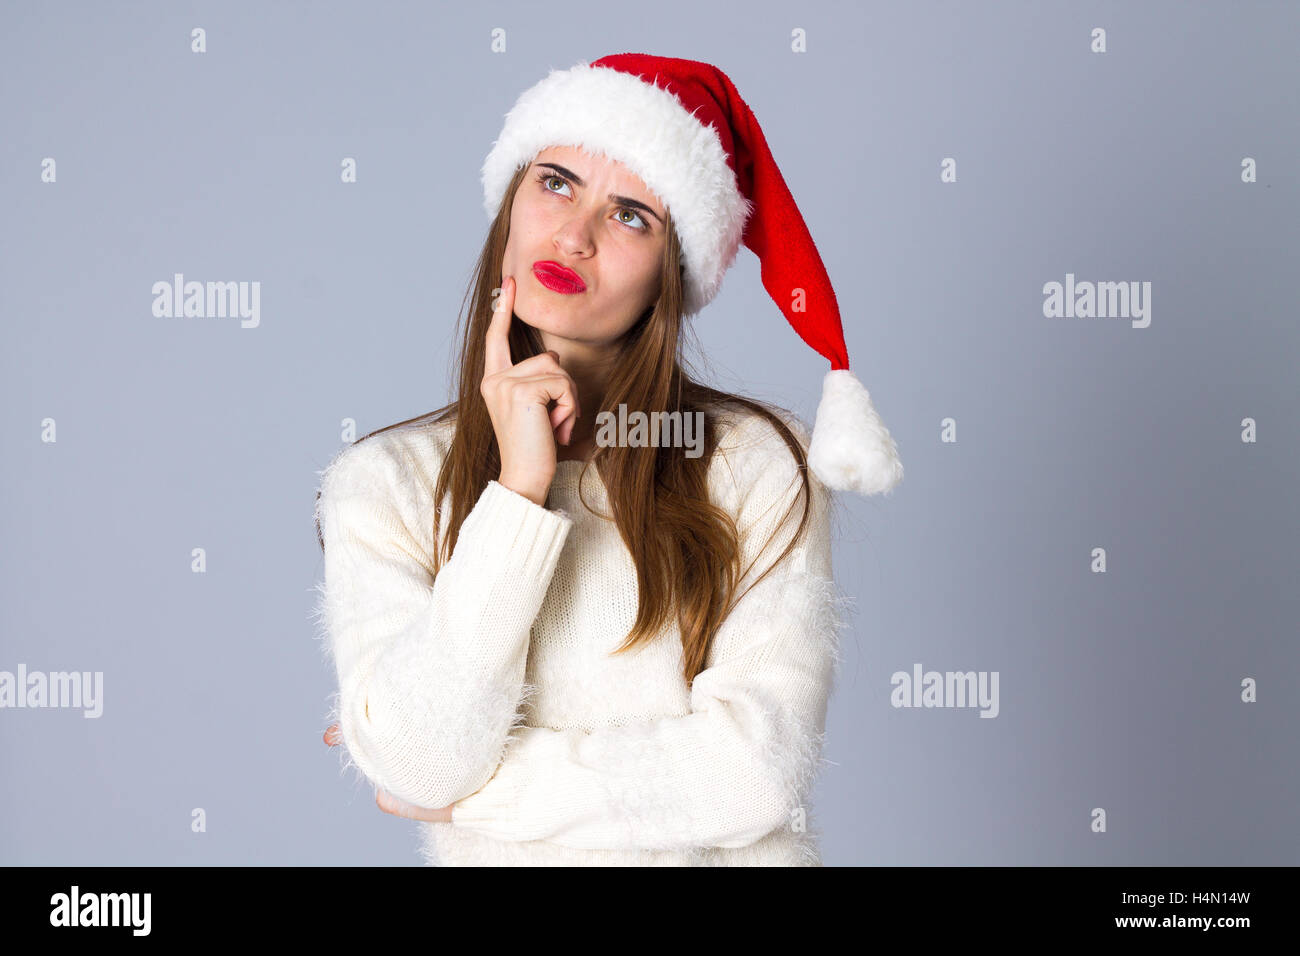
(546, 181)
(636, 216)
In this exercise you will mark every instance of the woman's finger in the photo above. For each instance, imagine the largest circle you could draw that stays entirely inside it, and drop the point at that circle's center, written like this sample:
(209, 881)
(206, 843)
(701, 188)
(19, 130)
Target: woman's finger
(543, 363)
(332, 735)
(497, 355)
(558, 387)
(390, 804)
(564, 416)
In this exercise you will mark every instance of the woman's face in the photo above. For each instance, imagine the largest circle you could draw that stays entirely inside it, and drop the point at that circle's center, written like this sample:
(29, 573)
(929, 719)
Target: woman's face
(590, 215)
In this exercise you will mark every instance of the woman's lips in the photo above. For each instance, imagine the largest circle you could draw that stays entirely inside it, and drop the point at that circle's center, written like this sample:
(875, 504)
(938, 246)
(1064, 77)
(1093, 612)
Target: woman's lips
(558, 279)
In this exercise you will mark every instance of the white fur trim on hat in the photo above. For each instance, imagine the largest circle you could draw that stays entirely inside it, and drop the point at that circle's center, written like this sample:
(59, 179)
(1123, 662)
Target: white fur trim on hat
(851, 449)
(634, 122)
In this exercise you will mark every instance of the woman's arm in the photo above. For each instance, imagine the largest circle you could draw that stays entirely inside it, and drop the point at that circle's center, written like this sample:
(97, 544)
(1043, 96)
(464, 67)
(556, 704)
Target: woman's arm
(744, 759)
(430, 671)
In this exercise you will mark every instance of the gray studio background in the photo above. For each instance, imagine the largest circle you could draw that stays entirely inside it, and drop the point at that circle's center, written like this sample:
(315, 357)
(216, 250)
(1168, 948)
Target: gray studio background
(1119, 690)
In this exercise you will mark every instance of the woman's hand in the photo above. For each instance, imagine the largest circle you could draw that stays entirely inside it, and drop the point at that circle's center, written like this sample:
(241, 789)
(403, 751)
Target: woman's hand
(389, 803)
(518, 400)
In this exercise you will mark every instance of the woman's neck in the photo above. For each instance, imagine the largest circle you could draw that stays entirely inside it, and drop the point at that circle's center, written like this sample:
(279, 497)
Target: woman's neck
(578, 451)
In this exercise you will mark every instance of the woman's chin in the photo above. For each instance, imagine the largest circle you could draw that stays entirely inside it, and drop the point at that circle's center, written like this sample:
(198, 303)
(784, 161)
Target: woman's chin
(546, 320)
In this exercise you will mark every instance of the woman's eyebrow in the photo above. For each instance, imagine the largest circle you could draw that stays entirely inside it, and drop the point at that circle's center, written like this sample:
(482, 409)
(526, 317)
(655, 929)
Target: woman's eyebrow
(622, 200)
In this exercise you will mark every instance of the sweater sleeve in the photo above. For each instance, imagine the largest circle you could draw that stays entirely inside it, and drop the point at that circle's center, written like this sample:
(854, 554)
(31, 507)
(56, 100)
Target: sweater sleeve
(430, 670)
(743, 761)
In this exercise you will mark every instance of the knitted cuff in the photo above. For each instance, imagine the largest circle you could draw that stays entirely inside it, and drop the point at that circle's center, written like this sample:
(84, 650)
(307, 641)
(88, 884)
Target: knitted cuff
(506, 528)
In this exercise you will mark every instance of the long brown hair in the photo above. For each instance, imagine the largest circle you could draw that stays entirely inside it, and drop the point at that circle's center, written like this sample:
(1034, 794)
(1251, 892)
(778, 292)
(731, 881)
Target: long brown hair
(684, 546)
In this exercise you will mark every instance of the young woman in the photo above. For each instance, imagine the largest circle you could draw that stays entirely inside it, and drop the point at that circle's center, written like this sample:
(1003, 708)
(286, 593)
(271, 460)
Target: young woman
(562, 643)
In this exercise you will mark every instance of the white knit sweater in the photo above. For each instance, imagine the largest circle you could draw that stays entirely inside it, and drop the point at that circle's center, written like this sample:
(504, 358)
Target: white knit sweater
(492, 685)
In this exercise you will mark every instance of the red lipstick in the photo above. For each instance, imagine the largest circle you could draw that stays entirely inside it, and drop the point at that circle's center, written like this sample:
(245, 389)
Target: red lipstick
(558, 278)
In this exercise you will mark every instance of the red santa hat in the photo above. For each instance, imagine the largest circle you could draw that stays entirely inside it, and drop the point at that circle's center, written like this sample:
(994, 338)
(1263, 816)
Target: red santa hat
(681, 126)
